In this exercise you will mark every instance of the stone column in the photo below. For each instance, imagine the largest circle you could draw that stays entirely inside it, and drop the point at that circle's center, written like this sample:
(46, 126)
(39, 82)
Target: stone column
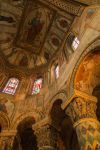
(6, 139)
(46, 136)
(82, 110)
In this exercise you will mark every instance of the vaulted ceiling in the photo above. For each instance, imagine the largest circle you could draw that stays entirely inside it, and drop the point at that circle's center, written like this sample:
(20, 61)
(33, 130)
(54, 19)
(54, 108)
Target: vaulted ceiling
(32, 31)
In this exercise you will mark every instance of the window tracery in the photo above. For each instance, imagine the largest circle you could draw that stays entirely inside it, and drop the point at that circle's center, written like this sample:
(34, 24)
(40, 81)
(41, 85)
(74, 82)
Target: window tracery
(11, 86)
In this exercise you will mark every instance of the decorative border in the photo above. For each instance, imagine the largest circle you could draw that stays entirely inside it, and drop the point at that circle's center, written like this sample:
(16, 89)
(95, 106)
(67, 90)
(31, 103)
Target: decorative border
(71, 8)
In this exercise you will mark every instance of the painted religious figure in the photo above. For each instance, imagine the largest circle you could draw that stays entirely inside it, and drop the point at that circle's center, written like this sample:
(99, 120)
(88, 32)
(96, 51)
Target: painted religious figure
(6, 106)
(35, 27)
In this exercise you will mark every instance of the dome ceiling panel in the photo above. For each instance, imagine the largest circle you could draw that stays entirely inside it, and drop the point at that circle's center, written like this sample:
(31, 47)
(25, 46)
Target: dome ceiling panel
(32, 31)
(57, 33)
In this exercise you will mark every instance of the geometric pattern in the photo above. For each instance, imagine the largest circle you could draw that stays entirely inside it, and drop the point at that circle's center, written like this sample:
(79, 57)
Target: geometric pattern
(88, 135)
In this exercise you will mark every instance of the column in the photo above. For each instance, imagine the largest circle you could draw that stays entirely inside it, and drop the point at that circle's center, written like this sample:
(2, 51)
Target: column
(46, 136)
(7, 139)
(82, 110)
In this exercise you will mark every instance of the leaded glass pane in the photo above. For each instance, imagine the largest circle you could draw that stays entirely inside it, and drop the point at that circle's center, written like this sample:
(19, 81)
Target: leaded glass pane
(11, 86)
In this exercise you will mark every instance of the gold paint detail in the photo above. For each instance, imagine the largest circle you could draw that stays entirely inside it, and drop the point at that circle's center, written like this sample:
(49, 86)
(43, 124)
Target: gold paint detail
(86, 120)
(81, 94)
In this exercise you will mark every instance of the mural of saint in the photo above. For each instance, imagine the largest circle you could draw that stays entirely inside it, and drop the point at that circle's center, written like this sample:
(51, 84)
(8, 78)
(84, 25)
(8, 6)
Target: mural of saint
(35, 27)
(3, 106)
(6, 106)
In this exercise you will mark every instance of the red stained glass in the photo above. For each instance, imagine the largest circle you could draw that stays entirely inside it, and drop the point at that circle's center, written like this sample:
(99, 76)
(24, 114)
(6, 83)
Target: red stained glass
(11, 86)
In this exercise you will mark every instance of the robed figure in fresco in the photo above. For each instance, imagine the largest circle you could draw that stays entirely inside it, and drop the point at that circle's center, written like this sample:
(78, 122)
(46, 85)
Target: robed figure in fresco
(6, 106)
(35, 27)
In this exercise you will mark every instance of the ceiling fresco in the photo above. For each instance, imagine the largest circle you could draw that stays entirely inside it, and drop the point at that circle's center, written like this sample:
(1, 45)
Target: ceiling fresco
(33, 31)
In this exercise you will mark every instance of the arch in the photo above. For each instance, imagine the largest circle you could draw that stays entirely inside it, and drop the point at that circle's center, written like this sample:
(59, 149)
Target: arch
(23, 116)
(62, 95)
(4, 121)
(92, 47)
(17, 73)
(25, 137)
(29, 119)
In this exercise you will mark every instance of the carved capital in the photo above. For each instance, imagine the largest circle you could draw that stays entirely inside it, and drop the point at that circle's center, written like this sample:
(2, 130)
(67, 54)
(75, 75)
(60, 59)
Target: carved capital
(6, 139)
(81, 108)
(46, 134)
(46, 137)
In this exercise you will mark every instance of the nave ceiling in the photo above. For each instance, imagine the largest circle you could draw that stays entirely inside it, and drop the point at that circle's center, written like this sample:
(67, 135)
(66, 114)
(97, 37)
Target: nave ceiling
(33, 31)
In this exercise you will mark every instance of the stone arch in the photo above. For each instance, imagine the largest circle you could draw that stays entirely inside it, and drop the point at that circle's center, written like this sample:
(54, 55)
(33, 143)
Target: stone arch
(62, 122)
(62, 95)
(25, 137)
(91, 48)
(22, 116)
(4, 121)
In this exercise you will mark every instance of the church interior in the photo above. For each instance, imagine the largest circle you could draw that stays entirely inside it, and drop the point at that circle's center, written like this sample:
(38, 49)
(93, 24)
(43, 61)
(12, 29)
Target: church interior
(49, 74)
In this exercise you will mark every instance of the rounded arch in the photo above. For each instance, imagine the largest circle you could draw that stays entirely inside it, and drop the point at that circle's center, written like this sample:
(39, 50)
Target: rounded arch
(17, 73)
(25, 137)
(62, 96)
(28, 120)
(91, 48)
(4, 121)
(23, 116)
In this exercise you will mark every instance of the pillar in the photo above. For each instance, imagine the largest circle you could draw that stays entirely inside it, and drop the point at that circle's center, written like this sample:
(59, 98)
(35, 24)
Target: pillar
(82, 111)
(46, 136)
(7, 139)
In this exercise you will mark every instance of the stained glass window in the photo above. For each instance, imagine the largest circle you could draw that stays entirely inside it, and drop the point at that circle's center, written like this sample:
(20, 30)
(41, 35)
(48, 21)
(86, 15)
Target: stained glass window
(57, 71)
(11, 86)
(75, 43)
(37, 86)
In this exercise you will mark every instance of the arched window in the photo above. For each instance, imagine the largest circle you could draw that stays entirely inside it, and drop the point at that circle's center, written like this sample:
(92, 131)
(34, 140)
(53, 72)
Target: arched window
(11, 86)
(75, 43)
(37, 86)
(56, 71)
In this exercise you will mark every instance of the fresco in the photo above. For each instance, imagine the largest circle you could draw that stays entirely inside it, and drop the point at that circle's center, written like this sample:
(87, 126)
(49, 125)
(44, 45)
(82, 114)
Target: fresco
(7, 19)
(85, 77)
(57, 33)
(6, 106)
(35, 25)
